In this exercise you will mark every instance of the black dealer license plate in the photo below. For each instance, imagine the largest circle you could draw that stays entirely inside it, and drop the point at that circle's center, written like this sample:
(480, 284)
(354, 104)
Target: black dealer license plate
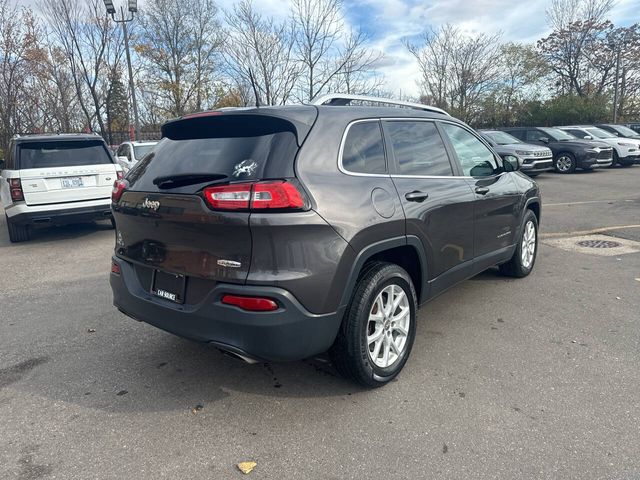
(170, 286)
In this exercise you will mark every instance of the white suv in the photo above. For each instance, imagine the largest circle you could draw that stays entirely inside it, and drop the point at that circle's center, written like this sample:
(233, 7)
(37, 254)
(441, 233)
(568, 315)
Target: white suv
(626, 151)
(130, 153)
(56, 179)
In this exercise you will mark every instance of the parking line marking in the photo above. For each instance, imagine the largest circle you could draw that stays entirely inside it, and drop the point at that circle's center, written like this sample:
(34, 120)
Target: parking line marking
(589, 201)
(587, 232)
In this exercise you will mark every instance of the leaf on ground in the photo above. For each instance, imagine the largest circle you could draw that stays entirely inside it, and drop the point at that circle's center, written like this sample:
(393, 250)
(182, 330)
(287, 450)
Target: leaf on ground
(246, 467)
(196, 409)
(91, 330)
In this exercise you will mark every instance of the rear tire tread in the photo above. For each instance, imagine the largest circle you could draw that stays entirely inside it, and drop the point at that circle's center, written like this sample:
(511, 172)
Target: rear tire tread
(347, 342)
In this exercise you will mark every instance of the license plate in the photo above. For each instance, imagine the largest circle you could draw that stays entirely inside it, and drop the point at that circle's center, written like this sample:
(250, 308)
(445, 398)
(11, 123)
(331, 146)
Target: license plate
(72, 182)
(170, 286)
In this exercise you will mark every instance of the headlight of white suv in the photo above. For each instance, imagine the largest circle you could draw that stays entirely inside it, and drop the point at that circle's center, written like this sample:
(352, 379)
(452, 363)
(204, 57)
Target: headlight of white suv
(524, 152)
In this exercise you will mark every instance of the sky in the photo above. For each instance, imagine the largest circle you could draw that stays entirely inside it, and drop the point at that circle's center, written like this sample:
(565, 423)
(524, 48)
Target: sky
(388, 22)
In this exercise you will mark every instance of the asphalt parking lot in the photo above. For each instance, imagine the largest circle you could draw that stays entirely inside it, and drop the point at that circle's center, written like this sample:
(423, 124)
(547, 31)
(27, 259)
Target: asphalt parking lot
(532, 378)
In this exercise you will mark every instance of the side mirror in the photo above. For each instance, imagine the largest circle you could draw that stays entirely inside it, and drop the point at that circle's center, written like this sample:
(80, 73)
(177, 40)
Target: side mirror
(511, 163)
(544, 139)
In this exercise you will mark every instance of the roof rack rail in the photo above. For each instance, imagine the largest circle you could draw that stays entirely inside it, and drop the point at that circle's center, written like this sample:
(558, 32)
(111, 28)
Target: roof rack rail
(346, 99)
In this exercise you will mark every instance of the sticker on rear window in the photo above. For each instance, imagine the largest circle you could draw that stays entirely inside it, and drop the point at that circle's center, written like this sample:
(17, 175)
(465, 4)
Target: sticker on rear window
(245, 167)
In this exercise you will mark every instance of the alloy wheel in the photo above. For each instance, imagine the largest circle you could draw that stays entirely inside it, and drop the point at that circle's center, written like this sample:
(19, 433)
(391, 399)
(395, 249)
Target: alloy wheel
(563, 163)
(528, 247)
(388, 326)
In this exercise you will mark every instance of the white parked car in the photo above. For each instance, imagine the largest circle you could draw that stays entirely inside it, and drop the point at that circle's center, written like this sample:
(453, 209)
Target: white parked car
(56, 179)
(626, 151)
(130, 153)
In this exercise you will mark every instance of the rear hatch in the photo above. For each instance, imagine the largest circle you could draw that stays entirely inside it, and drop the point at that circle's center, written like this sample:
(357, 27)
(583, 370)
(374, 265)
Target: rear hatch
(64, 170)
(165, 224)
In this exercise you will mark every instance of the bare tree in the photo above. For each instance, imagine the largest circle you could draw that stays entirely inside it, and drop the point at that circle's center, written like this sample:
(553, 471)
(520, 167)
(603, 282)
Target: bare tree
(330, 54)
(562, 13)
(457, 70)
(433, 55)
(259, 53)
(92, 46)
(14, 48)
(179, 45)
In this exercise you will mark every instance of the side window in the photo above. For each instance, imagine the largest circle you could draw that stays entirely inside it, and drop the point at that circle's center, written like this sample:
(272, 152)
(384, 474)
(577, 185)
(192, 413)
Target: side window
(520, 134)
(121, 151)
(535, 135)
(418, 148)
(577, 133)
(363, 150)
(475, 158)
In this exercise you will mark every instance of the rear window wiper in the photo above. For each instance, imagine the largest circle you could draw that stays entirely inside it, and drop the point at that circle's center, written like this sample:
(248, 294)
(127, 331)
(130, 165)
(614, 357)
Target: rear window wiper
(184, 179)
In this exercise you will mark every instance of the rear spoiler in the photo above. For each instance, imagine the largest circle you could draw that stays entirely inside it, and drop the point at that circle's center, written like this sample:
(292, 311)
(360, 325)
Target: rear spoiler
(242, 122)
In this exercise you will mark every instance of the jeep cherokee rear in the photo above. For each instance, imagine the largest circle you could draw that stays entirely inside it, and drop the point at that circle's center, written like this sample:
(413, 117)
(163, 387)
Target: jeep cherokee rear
(280, 233)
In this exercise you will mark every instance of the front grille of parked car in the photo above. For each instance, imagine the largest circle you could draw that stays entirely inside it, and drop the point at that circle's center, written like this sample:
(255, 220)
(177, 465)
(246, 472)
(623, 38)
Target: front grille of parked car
(605, 154)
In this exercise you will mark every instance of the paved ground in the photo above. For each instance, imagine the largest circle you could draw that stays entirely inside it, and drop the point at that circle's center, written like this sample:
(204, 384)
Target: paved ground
(534, 378)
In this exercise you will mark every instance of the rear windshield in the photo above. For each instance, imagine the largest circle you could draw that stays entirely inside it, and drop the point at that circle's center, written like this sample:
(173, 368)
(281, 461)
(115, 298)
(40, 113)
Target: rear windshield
(231, 155)
(65, 153)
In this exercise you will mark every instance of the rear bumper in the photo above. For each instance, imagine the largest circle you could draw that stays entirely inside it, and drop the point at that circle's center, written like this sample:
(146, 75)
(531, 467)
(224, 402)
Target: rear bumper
(289, 333)
(42, 215)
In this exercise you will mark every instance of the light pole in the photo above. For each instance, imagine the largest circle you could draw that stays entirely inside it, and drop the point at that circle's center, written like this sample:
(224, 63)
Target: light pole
(616, 98)
(133, 8)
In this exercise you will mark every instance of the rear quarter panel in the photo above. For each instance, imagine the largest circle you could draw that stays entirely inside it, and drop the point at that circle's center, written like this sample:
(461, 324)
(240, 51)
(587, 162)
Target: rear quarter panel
(343, 200)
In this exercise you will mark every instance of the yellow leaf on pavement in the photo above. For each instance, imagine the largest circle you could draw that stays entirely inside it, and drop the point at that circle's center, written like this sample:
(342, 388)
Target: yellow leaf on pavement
(247, 467)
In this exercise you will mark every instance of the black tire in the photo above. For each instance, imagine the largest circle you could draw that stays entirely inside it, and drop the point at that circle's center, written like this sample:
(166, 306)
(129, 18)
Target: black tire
(565, 162)
(516, 267)
(17, 233)
(616, 160)
(350, 352)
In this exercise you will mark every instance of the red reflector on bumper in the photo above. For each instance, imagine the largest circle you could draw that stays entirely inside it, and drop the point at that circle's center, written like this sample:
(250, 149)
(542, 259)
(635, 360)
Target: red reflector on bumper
(253, 304)
(115, 268)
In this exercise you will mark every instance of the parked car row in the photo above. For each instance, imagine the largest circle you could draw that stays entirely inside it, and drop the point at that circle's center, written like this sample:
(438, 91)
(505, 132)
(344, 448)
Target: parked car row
(567, 148)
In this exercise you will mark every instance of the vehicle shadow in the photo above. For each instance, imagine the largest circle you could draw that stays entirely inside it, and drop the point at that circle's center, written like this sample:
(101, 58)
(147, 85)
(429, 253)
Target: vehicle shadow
(55, 233)
(155, 371)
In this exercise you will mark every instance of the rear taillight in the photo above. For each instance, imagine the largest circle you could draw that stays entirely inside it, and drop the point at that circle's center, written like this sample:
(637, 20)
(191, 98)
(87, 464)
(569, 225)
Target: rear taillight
(253, 304)
(120, 174)
(278, 194)
(260, 196)
(229, 197)
(16, 190)
(119, 186)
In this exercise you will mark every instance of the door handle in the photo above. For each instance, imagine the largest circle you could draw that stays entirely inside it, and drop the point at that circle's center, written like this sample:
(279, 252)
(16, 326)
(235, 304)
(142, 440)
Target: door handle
(416, 196)
(482, 190)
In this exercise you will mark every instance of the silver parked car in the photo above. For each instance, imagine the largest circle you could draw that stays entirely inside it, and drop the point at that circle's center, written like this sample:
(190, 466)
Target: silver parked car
(535, 159)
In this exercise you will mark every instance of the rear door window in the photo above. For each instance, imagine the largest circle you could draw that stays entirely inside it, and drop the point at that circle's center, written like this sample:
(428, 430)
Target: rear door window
(418, 148)
(363, 150)
(62, 153)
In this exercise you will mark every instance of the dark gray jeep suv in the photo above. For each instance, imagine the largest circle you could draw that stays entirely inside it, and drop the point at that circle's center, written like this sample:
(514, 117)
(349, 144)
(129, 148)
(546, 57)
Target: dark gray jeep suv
(280, 233)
